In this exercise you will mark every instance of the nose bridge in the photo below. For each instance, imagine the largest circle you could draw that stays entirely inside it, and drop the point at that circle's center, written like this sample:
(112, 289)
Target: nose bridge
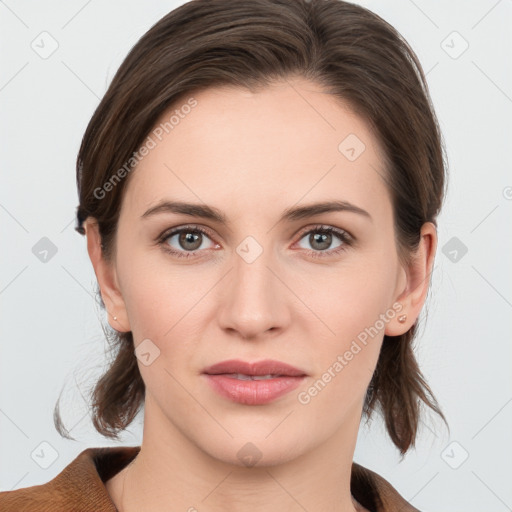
(253, 302)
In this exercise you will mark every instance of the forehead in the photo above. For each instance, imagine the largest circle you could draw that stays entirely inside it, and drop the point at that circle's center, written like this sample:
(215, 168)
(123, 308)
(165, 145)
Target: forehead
(282, 143)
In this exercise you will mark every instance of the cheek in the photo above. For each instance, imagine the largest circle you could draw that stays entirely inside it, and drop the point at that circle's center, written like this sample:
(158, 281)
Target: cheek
(153, 301)
(164, 303)
(350, 299)
(352, 309)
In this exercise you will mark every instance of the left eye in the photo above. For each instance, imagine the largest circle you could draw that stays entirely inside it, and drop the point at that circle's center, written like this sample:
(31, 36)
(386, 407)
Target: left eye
(321, 240)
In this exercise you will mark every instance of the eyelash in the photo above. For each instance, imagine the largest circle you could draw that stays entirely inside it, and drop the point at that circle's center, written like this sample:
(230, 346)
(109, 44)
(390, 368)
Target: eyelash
(344, 236)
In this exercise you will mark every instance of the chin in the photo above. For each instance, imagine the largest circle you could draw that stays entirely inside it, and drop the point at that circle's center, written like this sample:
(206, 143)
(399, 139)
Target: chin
(247, 452)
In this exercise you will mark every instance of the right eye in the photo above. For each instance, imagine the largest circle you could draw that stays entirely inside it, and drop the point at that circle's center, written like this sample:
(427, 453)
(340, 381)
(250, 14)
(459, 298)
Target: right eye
(187, 241)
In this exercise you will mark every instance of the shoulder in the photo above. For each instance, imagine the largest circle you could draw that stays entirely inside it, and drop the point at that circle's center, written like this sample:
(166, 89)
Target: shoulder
(375, 493)
(79, 486)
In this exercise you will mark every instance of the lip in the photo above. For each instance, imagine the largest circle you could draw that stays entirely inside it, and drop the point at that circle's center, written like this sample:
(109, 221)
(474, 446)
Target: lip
(253, 392)
(265, 367)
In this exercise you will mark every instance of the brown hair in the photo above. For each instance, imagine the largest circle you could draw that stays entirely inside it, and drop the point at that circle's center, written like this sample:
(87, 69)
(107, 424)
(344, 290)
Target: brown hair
(350, 51)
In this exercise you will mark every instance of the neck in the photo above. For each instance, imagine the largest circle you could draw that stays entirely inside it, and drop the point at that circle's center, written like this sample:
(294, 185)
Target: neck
(172, 473)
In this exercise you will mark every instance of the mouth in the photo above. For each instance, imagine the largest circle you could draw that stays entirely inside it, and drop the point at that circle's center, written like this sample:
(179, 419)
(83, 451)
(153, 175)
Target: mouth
(242, 376)
(255, 383)
(244, 370)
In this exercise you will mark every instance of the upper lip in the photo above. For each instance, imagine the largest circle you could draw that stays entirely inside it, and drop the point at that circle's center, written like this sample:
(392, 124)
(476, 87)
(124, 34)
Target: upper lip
(266, 367)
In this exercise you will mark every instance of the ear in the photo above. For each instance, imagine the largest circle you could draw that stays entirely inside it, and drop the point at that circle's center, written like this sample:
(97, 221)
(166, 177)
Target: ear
(107, 279)
(417, 279)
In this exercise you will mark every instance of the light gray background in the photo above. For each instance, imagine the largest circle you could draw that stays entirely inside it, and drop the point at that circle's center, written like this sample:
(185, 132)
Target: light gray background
(51, 332)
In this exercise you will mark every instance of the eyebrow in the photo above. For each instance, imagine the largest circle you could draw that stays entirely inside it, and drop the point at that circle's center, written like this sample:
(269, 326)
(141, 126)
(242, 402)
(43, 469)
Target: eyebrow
(290, 214)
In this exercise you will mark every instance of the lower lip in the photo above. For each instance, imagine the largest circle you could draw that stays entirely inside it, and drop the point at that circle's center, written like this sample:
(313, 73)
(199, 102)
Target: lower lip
(253, 392)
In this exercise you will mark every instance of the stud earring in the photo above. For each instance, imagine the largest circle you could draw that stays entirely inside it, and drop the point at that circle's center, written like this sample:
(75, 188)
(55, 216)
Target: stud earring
(115, 318)
(402, 318)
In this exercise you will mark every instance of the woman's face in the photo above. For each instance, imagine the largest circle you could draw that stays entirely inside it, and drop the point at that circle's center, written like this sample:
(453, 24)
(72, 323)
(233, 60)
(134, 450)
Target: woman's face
(264, 282)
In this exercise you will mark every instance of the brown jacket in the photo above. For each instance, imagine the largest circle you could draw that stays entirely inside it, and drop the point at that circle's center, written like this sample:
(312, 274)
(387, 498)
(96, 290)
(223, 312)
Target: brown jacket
(80, 486)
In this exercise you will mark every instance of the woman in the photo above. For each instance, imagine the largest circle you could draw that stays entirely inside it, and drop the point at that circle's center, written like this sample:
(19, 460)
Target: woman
(259, 190)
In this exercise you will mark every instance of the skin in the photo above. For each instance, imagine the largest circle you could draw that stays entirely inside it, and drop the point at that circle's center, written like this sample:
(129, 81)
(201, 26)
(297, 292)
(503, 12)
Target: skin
(253, 155)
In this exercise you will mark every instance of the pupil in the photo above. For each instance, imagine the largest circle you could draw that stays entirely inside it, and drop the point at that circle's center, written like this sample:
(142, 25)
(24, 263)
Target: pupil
(190, 238)
(323, 238)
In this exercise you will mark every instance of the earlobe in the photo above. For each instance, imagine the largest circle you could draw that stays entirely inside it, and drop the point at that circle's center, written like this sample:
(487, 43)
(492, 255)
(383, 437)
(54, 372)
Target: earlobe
(418, 273)
(400, 323)
(106, 277)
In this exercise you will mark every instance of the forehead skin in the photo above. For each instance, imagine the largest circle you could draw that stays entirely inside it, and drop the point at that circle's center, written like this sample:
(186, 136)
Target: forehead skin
(253, 155)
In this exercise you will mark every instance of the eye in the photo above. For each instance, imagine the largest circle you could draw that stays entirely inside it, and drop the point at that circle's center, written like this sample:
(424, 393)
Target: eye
(187, 240)
(321, 238)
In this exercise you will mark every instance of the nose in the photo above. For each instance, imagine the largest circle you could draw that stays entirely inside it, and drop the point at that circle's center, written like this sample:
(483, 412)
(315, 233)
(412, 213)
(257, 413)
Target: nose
(254, 298)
